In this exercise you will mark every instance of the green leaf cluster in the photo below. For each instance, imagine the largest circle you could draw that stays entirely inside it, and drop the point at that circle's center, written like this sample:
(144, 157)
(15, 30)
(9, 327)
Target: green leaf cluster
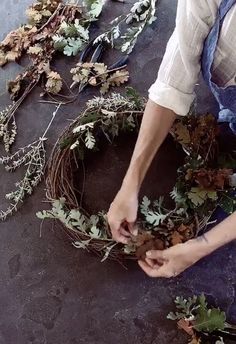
(70, 38)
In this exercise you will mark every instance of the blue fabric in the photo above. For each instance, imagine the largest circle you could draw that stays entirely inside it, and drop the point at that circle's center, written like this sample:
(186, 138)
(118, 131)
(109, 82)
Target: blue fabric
(226, 97)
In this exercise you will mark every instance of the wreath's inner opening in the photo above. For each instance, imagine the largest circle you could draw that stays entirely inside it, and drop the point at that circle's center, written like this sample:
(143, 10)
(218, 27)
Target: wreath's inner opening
(105, 169)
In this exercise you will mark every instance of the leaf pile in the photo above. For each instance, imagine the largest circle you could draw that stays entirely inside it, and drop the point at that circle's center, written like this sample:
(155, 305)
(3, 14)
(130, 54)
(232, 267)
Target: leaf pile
(98, 74)
(200, 321)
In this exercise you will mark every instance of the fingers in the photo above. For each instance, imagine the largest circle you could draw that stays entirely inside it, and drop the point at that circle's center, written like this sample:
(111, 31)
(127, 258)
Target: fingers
(160, 271)
(156, 254)
(117, 234)
(132, 228)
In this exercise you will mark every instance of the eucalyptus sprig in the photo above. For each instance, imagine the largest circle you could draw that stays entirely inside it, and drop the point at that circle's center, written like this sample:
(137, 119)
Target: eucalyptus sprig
(141, 15)
(33, 157)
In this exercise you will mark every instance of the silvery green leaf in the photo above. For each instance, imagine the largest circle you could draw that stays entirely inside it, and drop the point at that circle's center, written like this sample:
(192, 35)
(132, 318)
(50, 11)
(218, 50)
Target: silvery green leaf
(94, 219)
(81, 244)
(83, 127)
(125, 46)
(152, 19)
(116, 32)
(75, 144)
(84, 33)
(44, 215)
(107, 252)
(95, 232)
(73, 46)
(144, 207)
(77, 219)
(154, 218)
(96, 8)
(130, 120)
(89, 140)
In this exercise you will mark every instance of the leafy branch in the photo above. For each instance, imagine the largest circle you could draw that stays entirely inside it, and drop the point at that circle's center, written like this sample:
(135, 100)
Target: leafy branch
(33, 157)
(141, 15)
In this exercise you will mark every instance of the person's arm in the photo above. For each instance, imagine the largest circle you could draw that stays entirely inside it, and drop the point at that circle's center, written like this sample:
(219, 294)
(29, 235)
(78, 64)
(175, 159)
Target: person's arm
(171, 94)
(176, 259)
(156, 124)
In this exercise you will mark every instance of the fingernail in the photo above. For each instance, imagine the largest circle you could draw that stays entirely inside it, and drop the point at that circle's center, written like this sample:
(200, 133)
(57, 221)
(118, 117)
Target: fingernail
(135, 232)
(148, 254)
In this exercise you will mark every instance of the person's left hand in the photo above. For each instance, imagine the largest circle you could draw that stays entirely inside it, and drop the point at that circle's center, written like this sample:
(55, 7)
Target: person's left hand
(174, 260)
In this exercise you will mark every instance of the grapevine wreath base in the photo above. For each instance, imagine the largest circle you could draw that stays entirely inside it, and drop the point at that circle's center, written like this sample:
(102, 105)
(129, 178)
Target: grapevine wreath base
(203, 182)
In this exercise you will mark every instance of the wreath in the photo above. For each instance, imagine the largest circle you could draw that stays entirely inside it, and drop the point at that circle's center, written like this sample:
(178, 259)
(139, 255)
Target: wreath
(202, 184)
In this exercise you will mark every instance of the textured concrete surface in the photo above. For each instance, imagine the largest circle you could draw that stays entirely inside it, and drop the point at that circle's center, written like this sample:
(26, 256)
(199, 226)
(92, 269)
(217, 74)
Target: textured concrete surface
(50, 293)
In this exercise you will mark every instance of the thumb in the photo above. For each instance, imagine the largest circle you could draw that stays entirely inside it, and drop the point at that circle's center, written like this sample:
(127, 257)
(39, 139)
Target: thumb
(133, 228)
(155, 254)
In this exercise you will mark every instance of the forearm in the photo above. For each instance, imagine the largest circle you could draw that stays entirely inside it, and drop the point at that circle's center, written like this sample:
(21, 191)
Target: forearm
(220, 235)
(155, 126)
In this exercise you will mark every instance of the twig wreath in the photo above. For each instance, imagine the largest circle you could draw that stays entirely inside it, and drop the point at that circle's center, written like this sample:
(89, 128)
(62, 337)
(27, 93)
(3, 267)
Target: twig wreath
(202, 183)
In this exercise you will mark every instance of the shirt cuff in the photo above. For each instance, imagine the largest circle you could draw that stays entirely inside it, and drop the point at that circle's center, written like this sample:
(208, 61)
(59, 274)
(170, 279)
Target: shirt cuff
(171, 98)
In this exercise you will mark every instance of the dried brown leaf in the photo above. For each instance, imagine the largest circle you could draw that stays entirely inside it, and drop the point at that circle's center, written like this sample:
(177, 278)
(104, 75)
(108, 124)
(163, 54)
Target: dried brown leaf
(54, 83)
(186, 326)
(176, 238)
(182, 133)
(118, 78)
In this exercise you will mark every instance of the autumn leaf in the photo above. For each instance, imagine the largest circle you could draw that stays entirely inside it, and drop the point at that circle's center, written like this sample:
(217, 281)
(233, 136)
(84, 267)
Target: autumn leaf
(100, 68)
(14, 87)
(176, 238)
(182, 133)
(54, 83)
(186, 326)
(105, 87)
(195, 340)
(198, 196)
(35, 50)
(12, 56)
(3, 59)
(118, 78)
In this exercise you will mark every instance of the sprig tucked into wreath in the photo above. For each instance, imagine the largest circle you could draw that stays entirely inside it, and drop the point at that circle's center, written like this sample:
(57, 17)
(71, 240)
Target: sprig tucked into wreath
(201, 186)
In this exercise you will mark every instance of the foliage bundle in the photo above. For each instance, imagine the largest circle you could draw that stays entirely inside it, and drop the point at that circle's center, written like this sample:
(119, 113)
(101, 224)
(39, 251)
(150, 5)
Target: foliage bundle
(57, 26)
(203, 323)
(200, 187)
(33, 158)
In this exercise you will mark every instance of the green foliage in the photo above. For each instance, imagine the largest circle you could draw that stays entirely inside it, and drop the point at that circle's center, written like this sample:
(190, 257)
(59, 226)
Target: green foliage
(95, 8)
(209, 320)
(185, 307)
(140, 16)
(198, 196)
(227, 202)
(70, 38)
(201, 317)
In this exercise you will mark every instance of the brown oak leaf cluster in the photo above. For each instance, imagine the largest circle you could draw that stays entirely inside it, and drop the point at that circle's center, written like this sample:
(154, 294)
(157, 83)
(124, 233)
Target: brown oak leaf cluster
(146, 241)
(210, 179)
(96, 74)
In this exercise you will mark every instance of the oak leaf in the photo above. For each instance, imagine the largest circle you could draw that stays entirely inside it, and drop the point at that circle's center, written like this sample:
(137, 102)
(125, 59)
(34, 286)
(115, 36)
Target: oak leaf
(54, 83)
(176, 238)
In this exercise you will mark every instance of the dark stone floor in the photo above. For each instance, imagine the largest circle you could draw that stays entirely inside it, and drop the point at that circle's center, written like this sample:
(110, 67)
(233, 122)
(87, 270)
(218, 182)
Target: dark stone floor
(51, 293)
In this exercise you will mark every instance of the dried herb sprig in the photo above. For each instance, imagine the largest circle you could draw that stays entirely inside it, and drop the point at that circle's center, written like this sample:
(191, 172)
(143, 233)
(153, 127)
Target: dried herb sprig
(33, 157)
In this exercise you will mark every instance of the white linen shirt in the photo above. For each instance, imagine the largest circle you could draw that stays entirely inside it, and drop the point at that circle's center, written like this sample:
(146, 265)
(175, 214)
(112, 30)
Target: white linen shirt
(181, 64)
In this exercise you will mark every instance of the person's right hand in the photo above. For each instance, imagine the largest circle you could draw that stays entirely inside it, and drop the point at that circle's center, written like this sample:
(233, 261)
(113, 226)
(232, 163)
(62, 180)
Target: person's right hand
(122, 215)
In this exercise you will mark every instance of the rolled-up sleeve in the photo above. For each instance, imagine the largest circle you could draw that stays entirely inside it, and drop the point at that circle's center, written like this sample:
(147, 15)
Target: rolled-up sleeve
(180, 67)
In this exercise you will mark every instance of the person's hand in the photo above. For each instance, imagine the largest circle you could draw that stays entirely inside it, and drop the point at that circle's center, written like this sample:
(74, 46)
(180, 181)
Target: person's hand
(122, 215)
(174, 260)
